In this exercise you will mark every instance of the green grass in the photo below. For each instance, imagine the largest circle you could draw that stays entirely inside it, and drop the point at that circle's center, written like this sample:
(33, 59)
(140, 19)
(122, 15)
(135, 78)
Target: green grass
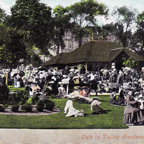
(13, 89)
(112, 120)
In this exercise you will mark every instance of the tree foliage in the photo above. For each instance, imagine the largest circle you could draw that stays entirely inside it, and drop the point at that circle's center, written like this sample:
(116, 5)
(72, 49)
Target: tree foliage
(34, 18)
(34, 24)
(2, 15)
(130, 62)
(108, 28)
(32, 56)
(83, 14)
(124, 24)
(12, 47)
(61, 24)
(139, 34)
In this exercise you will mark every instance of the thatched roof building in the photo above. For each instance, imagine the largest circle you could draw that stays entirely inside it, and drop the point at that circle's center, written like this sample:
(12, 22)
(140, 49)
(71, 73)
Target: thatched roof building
(95, 54)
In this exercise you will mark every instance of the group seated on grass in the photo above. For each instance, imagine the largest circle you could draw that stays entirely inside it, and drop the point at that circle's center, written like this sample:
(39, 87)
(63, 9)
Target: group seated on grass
(120, 100)
(78, 103)
(21, 102)
(134, 106)
(112, 119)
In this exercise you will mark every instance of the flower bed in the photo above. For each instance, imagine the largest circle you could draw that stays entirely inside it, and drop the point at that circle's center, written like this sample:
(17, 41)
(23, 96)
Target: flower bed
(34, 111)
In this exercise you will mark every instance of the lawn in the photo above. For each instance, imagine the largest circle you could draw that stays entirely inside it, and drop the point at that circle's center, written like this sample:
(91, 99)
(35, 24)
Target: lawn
(112, 120)
(13, 89)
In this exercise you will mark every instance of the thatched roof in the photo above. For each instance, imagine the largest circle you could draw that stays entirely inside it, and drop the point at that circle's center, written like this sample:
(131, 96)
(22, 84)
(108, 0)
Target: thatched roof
(93, 51)
(57, 59)
(136, 56)
(115, 52)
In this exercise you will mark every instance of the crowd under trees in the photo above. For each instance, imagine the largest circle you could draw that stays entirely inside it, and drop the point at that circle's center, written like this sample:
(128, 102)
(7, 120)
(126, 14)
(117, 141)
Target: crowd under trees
(35, 26)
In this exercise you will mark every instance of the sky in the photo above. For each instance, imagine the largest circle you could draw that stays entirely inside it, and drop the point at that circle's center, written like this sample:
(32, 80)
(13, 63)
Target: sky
(111, 4)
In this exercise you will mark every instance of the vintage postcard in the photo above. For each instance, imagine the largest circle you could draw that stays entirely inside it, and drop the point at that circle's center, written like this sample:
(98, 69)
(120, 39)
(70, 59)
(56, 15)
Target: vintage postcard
(71, 71)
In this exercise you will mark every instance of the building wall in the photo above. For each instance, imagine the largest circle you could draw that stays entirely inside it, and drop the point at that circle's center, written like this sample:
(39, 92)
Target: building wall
(71, 44)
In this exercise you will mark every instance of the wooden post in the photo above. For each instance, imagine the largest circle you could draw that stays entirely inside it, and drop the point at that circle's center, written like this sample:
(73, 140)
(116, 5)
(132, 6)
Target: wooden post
(6, 78)
(86, 65)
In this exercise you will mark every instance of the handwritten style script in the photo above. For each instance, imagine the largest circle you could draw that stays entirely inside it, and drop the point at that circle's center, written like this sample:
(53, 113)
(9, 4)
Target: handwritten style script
(112, 136)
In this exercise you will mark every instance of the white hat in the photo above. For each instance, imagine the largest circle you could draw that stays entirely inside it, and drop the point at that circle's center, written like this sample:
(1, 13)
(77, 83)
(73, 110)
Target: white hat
(76, 70)
(54, 78)
(120, 72)
(64, 76)
(71, 70)
(113, 67)
(102, 70)
(130, 93)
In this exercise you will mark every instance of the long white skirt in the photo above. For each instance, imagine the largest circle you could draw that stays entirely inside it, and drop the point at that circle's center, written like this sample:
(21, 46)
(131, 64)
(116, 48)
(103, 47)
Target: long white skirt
(73, 112)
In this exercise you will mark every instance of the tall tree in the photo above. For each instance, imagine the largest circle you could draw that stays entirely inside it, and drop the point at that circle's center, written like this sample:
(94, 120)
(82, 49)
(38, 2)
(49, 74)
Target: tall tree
(2, 15)
(83, 14)
(34, 18)
(61, 25)
(139, 34)
(125, 19)
(12, 47)
(108, 28)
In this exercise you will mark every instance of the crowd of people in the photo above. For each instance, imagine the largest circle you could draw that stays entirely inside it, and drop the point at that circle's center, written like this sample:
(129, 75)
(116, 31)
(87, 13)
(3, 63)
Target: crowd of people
(127, 82)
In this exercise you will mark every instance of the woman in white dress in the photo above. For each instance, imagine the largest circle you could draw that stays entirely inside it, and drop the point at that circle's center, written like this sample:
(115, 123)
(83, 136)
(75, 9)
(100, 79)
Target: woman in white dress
(71, 110)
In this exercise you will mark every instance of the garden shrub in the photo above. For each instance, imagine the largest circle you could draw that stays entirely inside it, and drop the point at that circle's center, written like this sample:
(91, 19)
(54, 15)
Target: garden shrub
(27, 107)
(29, 101)
(40, 105)
(5, 106)
(41, 102)
(46, 101)
(4, 93)
(49, 104)
(50, 94)
(12, 99)
(21, 96)
(15, 108)
(2, 108)
(35, 99)
(40, 108)
(53, 96)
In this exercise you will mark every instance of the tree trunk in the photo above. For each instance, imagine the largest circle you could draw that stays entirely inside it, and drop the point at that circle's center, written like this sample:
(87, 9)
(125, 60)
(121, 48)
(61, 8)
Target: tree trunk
(58, 47)
(80, 38)
(80, 42)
